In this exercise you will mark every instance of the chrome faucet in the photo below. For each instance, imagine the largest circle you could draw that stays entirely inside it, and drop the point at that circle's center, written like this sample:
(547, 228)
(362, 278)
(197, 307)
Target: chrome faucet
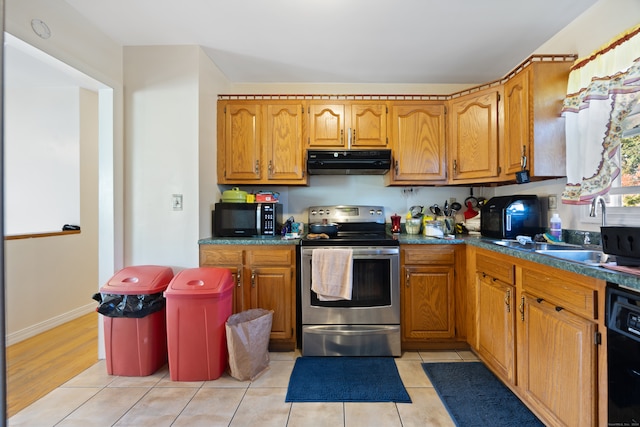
(603, 206)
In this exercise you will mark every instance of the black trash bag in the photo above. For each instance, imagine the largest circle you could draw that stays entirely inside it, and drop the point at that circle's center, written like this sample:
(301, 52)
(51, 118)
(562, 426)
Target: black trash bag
(133, 306)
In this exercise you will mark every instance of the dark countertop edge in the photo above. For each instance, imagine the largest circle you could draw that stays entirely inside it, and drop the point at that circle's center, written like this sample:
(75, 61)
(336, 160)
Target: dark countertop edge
(278, 240)
(622, 279)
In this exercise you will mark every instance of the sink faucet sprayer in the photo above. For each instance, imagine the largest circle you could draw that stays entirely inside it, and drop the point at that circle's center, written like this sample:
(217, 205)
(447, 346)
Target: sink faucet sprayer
(603, 206)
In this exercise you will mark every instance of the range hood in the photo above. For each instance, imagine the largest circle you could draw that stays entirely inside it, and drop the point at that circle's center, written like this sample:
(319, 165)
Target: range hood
(348, 162)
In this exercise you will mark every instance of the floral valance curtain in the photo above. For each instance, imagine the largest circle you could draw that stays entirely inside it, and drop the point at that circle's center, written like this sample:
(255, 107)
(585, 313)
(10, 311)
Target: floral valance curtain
(602, 89)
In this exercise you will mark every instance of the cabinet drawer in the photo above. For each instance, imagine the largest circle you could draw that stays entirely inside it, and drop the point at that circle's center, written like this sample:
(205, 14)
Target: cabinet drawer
(494, 267)
(219, 255)
(429, 255)
(270, 257)
(561, 292)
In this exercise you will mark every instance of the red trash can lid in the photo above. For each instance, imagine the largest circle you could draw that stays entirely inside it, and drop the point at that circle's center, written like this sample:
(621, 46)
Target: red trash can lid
(139, 280)
(202, 282)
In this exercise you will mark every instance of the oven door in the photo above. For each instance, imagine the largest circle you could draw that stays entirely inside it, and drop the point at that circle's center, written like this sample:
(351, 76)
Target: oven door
(375, 294)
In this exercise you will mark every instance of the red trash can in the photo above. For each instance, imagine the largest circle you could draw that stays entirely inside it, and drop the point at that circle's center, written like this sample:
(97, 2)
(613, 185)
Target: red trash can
(199, 301)
(135, 346)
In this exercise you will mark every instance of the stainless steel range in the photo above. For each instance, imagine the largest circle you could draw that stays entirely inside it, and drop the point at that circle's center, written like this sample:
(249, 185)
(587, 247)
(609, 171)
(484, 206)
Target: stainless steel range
(367, 324)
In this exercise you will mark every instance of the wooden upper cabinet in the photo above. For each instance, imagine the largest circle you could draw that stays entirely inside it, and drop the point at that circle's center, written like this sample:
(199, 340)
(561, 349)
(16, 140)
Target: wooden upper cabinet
(346, 125)
(516, 122)
(533, 127)
(284, 142)
(474, 136)
(368, 126)
(242, 149)
(326, 126)
(418, 143)
(261, 142)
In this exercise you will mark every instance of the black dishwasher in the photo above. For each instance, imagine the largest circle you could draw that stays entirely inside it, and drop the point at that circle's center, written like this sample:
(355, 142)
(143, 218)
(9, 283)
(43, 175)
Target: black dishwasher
(623, 356)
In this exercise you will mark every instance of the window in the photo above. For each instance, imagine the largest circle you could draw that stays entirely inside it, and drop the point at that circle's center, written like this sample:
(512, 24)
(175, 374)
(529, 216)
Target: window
(624, 197)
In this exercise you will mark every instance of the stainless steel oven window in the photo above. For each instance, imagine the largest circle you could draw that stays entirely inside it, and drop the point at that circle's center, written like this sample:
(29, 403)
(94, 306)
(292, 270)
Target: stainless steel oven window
(369, 305)
(370, 285)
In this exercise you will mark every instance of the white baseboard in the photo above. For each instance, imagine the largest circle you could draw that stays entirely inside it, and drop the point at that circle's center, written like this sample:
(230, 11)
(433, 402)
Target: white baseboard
(38, 328)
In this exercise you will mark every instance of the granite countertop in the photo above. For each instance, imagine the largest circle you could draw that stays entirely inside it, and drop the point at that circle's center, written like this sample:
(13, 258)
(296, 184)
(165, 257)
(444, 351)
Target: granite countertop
(277, 240)
(623, 279)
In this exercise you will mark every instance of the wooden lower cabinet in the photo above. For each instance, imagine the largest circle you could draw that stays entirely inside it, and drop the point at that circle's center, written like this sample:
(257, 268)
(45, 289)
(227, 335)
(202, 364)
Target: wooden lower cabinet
(537, 328)
(496, 308)
(265, 277)
(428, 296)
(496, 331)
(558, 363)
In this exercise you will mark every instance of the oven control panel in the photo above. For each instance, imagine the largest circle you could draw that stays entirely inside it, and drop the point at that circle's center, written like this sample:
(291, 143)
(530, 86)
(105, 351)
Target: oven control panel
(347, 213)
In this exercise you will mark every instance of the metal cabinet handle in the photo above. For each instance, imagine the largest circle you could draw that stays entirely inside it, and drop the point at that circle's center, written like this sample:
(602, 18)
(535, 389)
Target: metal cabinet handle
(253, 279)
(523, 159)
(521, 308)
(455, 167)
(397, 168)
(239, 278)
(257, 166)
(353, 138)
(270, 167)
(507, 300)
(341, 136)
(406, 282)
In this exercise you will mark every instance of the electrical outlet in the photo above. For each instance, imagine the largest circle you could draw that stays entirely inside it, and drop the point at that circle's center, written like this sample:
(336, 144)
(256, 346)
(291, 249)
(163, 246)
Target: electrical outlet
(553, 201)
(177, 202)
(452, 200)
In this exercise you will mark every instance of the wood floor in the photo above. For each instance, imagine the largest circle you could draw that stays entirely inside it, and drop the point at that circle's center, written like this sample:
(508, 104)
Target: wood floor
(42, 363)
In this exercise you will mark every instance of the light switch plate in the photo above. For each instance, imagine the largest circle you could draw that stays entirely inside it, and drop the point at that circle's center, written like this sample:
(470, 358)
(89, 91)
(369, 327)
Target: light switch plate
(176, 200)
(553, 201)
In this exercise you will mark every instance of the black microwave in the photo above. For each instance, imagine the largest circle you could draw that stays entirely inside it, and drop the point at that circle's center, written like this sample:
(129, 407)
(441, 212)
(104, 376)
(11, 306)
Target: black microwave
(506, 217)
(246, 219)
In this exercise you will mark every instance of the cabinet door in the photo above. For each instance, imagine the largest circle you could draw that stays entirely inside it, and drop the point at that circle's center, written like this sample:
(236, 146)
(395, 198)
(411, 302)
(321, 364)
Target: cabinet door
(272, 288)
(418, 141)
(285, 148)
(558, 371)
(368, 126)
(327, 126)
(242, 142)
(428, 308)
(516, 124)
(474, 136)
(225, 257)
(496, 325)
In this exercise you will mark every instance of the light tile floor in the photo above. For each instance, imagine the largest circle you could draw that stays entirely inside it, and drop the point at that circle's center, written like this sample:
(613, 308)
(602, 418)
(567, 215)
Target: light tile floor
(95, 398)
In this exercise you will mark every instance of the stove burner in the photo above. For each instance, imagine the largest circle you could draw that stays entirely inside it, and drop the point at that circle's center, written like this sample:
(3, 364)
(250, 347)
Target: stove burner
(358, 226)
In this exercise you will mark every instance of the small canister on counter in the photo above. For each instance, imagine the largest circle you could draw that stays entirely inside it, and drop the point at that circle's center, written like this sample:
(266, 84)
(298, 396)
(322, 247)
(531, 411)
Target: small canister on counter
(434, 228)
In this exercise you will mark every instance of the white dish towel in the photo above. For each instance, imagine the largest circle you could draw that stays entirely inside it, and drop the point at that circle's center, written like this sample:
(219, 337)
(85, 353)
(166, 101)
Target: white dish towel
(331, 274)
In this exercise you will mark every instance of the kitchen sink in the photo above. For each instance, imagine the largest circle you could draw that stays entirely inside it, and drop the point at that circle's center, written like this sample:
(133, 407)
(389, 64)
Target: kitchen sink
(583, 256)
(537, 246)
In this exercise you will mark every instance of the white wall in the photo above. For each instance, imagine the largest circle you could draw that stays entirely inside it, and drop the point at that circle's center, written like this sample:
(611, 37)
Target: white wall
(212, 82)
(50, 280)
(170, 149)
(42, 159)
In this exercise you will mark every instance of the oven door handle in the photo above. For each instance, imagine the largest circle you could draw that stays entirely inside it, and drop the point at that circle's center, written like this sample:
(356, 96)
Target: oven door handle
(362, 253)
(350, 329)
